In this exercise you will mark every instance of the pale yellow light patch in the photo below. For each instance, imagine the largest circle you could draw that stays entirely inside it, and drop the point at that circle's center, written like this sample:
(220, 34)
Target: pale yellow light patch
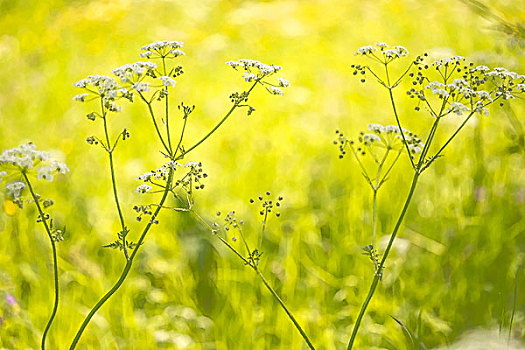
(10, 208)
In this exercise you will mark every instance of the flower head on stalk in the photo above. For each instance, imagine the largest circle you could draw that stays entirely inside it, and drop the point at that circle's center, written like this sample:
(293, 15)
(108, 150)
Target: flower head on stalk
(256, 72)
(162, 49)
(382, 52)
(378, 139)
(452, 85)
(26, 160)
(104, 87)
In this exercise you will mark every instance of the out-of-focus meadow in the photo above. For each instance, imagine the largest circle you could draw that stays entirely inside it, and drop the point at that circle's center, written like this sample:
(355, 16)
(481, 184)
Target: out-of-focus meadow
(459, 250)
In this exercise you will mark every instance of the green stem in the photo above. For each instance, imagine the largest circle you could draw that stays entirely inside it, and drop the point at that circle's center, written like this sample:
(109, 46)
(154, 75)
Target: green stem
(374, 214)
(448, 141)
(167, 114)
(254, 266)
(55, 262)
(181, 135)
(400, 128)
(150, 109)
(114, 184)
(379, 271)
(292, 318)
(127, 267)
(215, 128)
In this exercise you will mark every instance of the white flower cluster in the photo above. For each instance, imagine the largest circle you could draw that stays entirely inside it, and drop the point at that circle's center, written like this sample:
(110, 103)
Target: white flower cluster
(15, 188)
(162, 172)
(261, 68)
(167, 80)
(466, 93)
(143, 189)
(395, 52)
(457, 108)
(25, 158)
(256, 71)
(132, 72)
(103, 86)
(503, 73)
(390, 137)
(283, 82)
(370, 138)
(274, 90)
(388, 52)
(438, 88)
(448, 61)
(367, 50)
(163, 49)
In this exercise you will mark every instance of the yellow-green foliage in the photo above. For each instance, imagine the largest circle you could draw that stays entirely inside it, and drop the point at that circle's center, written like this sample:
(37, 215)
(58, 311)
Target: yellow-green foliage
(463, 237)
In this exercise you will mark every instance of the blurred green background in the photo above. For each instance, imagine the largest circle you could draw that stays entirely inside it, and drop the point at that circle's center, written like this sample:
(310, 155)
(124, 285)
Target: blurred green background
(463, 238)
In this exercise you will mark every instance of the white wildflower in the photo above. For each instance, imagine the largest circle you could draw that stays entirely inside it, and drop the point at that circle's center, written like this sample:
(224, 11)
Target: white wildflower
(382, 46)
(396, 52)
(482, 68)
(457, 108)
(365, 50)
(167, 81)
(283, 82)
(484, 95)
(369, 138)
(454, 60)
(376, 128)
(133, 71)
(437, 88)
(140, 87)
(143, 189)
(146, 176)
(102, 83)
(80, 97)
(177, 53)
(249, 64)
(459, 83)
(248, 77)
(163, 49)
(158, 45)
(274, 91)
(26, 157)
(14, 188)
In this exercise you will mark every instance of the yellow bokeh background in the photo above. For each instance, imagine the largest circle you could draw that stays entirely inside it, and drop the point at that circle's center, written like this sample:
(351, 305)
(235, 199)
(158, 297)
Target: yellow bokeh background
(463, 235)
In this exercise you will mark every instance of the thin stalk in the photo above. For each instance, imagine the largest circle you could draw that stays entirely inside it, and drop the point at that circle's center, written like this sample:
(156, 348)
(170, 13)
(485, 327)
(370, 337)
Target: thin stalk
(292, 318)
(399, 124)
(261, 276)
(55, 262)
(263, 230)
(374, 200)
(222, 239)
(114, 184)
(448, 141)
(167, 114)
(181, 135)
(379, 271)
(126, 269)
(215, 128)
(155, 123)
(426, 148)
(374, 215)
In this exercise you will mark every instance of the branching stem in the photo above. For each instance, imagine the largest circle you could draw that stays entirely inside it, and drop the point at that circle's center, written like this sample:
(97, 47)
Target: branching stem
(55, 262)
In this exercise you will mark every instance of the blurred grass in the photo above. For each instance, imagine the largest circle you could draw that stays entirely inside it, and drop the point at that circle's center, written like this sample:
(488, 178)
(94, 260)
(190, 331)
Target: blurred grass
(464, 233)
